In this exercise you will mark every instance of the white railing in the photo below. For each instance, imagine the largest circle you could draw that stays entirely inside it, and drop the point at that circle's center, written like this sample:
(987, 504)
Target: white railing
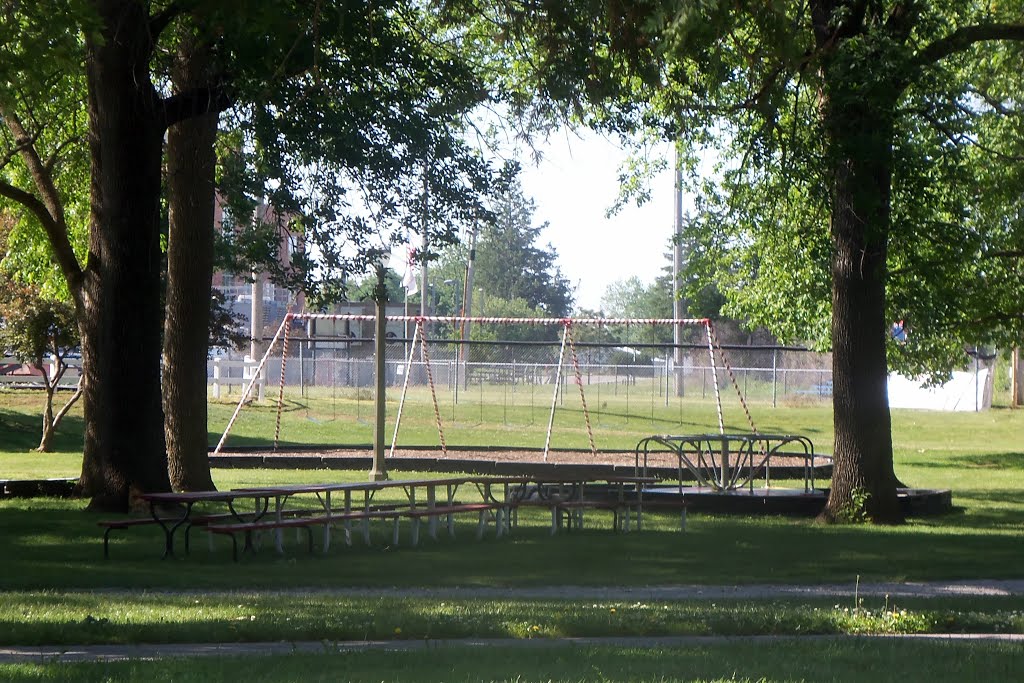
(222, 372)
(28, 375)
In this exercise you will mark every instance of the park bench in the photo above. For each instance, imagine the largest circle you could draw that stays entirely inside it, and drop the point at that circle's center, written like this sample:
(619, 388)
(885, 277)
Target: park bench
(231, 529)
(127, 523)
(483, 511)
(305, 522)
(386, 512)
(203, 520)
(570, 513)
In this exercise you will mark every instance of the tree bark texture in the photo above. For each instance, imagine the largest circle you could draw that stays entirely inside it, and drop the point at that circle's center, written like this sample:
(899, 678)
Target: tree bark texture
(119, 301)
(860, 128)
(191, 165)
(46, 440)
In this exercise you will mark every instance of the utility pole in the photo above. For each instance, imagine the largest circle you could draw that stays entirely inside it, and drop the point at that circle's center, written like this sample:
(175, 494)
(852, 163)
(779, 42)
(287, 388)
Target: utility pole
(424, 259)
(467, 305)
(678, 305)
(425, 225)
(380, 298)
(256, 318)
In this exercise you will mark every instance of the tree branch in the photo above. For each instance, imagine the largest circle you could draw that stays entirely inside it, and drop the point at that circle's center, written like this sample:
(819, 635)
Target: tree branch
(49, 208)
(966, 36)
(962, 138)
(997, 105)
(51, 162)
(195, 102)
(55, 231)
(79, 390)
(162, 19)
(11, 153)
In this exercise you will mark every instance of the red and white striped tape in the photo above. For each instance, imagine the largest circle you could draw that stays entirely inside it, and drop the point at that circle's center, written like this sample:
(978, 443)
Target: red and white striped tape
(502, 321)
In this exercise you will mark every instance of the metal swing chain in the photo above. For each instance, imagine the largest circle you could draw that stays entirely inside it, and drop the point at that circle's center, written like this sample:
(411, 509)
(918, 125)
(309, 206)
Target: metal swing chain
(430, 381)
(579, 383)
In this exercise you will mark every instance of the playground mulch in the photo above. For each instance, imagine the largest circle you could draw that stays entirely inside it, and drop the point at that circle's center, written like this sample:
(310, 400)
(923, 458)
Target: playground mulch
(555, 457)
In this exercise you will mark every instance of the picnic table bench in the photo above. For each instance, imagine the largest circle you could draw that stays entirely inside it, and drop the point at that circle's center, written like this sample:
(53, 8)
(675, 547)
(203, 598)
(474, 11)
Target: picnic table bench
(272, 513)
(499, 500)
(162, 504)
(570, 498)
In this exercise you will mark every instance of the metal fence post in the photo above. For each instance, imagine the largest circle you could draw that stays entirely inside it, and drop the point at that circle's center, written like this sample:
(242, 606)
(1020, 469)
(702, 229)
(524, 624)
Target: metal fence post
(775, 377)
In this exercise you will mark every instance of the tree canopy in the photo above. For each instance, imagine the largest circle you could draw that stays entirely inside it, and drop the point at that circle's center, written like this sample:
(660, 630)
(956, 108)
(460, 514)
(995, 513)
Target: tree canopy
(512, 263)
(346, 115)
(854, 138)
(870, 164)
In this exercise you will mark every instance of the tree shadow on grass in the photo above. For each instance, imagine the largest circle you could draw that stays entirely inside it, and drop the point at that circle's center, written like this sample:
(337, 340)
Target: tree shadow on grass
(55, 544)
(1008, 461)
(992, 509)
(20, 432)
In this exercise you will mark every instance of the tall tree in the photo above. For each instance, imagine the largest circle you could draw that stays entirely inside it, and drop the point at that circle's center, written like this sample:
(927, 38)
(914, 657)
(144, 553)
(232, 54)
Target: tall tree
(115, 291)
(191, 195)
(323, 63)
(39, 329)
(511, 263)
(882, 86)
(845, 120)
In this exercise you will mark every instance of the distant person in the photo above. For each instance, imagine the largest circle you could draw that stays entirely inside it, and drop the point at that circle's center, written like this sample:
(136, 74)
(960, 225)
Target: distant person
(899, 331)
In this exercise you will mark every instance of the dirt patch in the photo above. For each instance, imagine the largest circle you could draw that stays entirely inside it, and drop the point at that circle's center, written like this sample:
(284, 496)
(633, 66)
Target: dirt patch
(620, 458)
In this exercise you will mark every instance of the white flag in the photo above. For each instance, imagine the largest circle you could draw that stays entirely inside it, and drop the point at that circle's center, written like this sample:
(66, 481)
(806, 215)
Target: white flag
(409, 278)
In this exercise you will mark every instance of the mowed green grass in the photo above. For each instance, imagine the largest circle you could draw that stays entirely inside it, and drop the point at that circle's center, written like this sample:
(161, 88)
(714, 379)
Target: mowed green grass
(56, 586)
(979, 456)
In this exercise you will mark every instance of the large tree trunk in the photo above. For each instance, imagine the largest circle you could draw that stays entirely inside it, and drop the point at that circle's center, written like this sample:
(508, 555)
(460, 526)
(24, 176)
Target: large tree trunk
(191, 164)
(119, 301)
(860, 131)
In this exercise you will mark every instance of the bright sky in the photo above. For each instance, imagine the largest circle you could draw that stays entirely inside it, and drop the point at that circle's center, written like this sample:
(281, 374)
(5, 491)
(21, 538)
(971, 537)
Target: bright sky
(573, 187)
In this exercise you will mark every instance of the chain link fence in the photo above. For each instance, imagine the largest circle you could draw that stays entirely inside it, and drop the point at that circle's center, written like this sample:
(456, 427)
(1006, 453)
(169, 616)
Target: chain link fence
(490, 391)
(513, 394)
(774, 375)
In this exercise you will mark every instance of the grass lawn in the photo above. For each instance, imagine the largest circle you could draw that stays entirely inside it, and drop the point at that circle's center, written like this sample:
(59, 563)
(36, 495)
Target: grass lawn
(56, 587)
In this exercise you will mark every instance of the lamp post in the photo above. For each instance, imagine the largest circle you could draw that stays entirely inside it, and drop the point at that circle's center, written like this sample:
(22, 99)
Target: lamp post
(460, 354)
(380, 299)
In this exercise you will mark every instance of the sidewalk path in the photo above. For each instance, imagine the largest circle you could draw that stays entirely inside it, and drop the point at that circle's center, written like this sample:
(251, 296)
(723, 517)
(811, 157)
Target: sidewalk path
(50, 654)
(931, 589)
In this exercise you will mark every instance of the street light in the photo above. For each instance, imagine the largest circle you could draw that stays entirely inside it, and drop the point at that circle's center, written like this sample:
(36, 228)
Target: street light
(459, 303)
(457, 299)
(380, 299)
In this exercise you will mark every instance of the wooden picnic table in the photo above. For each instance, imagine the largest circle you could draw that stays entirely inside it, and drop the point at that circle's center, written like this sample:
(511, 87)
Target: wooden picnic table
(172, 510)
(324, 493)
(495, 497)
(569, 496)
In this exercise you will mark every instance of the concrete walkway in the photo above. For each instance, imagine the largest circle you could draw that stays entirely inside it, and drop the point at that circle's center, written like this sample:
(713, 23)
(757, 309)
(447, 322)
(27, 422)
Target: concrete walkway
(931, 589)
(960, 589)
(49, 654)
